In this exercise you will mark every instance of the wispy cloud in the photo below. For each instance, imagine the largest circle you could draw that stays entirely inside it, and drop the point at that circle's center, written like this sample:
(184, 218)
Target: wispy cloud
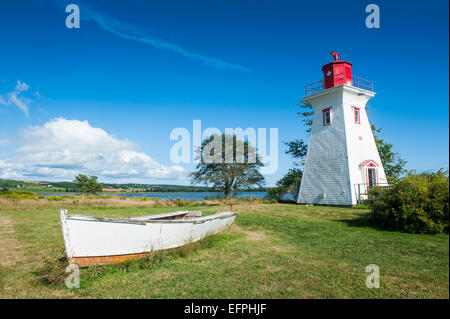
(13, 98)
(134, 33)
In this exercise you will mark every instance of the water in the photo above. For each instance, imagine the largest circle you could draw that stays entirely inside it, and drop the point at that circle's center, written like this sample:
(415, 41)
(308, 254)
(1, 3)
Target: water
(184, 196)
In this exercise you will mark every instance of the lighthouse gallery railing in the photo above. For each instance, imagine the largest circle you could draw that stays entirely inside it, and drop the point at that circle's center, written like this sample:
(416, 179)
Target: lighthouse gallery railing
(356, 82)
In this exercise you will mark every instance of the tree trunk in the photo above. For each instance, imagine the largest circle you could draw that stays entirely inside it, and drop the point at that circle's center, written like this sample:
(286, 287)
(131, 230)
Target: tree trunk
(235, 191)
(227, 191)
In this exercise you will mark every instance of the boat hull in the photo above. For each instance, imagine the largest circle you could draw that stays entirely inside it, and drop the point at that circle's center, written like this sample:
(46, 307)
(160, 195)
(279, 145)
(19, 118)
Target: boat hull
(90, 240)
(103, 260)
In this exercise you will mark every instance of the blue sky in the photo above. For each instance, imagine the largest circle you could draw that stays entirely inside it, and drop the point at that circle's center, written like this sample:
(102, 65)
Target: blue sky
(252, 61)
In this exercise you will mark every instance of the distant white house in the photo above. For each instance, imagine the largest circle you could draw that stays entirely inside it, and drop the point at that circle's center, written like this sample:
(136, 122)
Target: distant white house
(342, 161)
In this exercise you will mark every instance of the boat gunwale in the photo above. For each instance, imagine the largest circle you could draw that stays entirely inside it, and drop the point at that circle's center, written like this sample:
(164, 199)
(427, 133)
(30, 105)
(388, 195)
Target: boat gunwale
(193, 220)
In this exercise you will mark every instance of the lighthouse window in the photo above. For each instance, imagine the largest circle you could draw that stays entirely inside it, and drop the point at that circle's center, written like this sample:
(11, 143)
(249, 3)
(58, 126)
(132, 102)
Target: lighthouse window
(357, 115)
(327, 117)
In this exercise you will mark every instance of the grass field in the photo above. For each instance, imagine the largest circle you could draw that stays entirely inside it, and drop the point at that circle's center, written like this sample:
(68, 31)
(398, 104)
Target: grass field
(271, 251)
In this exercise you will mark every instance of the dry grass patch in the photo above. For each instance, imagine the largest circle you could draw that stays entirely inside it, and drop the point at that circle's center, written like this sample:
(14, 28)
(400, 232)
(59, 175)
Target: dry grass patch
(256, 235)
(107, 201)
(10, 249)
(43, 203)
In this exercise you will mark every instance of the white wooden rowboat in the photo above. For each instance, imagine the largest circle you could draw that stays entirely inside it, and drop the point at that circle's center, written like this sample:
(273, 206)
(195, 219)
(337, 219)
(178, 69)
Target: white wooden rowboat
(93, 240)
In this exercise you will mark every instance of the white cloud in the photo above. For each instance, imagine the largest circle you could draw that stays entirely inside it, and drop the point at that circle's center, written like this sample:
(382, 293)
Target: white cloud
(13, 97)
(61, 148)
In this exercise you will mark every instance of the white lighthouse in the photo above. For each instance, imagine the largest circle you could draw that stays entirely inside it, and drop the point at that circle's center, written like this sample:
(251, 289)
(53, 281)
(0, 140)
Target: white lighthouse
(342, 161)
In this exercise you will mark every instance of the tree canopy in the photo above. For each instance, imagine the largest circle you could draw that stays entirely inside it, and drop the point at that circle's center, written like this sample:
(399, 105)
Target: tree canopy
(393, 163)
(88, 184)
(227, 164)
(297, 149)
(306, 114)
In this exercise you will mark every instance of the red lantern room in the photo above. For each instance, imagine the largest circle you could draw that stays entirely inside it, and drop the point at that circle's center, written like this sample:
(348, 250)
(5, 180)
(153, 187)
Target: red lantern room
(337, 72)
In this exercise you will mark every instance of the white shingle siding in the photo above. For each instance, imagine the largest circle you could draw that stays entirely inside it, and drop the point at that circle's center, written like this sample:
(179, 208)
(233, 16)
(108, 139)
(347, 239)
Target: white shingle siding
(332, 169)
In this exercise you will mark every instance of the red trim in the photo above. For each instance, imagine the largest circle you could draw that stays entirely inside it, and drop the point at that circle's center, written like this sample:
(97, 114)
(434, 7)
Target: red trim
(323, 116)
(357, 118)
(370, 163)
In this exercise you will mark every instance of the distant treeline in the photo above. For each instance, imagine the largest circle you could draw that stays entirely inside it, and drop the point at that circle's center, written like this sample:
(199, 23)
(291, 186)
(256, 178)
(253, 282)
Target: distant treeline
(43, 186)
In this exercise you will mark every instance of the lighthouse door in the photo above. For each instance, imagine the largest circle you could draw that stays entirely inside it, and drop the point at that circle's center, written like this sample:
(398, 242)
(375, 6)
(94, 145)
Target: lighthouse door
(372, 176)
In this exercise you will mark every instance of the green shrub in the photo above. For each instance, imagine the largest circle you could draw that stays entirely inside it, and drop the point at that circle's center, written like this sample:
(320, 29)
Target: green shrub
(18, 195)
(179, 202)
(157, 202)
(5, 191)
(276, 192)
(55, 198)
(417, 204)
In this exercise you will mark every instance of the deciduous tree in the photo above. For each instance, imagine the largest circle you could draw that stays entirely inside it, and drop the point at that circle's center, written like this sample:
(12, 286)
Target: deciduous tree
(393, 163)
(227, 164)
(88, 184)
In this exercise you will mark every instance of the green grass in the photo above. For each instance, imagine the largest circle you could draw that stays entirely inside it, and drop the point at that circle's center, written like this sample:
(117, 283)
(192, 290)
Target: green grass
(271, 251)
